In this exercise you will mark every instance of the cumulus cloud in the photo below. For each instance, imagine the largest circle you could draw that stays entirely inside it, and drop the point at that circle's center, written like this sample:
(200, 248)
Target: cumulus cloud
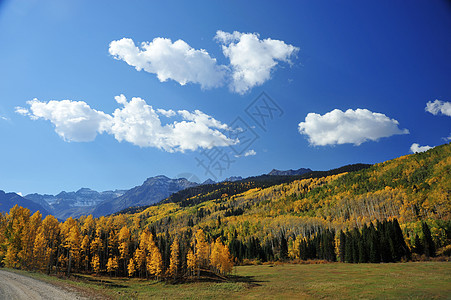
(73, 120)
(135, 122)
(416, 148)
(439, 107)
(251, 58)
(352, 126)
(171, 60)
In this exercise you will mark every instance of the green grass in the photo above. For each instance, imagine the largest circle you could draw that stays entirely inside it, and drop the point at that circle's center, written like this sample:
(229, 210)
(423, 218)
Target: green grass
(414, 280)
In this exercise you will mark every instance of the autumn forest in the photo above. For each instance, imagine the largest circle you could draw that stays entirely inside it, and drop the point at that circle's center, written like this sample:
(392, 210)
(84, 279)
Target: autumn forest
(398, 210)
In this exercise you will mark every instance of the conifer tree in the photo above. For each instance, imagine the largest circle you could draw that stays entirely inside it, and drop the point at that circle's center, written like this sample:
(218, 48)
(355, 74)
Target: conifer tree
(283, 247)
(401, 248)
(417, 245)
(349, 248)
(342, 246)
(374, 249)
(428, 243)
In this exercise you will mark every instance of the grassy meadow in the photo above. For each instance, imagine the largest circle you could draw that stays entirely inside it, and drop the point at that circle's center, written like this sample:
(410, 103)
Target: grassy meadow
(413, 280)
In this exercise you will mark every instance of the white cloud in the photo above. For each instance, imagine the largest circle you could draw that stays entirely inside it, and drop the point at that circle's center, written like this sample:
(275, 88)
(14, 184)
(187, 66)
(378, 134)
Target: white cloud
(252, 59)
(248, 153)
(135, 122)
(23, 111)
(177, 61)
(438, 107)
(4, 118)
(416, 148)
(167, 113)
(73, 120)
(352, 126)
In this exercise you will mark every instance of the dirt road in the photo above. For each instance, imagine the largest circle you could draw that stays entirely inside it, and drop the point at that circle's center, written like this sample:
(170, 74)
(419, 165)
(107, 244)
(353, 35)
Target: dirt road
(15, 286)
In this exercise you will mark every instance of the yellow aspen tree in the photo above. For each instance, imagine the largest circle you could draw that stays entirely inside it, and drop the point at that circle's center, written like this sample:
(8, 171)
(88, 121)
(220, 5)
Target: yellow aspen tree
(85, 253)
(156, 264)
(95, 263)
(215, 261)
(17, 219)
(11, 260)
(297, 247)
(191, 263)
(151, 247)
(65, 259)
(226, 265)
(88, 227)
(112, 265)
(97, 243)
(202, 254)
(131, 267)
(141, 253)
(39, 251)
(124, 243)
(140, 260)
(51, 230)
(31, 228)
(174, 259)
(291, 248)
(113, 241)
(74, 248)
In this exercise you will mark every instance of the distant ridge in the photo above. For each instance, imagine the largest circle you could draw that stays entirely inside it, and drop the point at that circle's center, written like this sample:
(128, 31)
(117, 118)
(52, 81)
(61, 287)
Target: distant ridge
(300, 171)
(233, 179)
(153, 190)
(73, 204)
(9, 200)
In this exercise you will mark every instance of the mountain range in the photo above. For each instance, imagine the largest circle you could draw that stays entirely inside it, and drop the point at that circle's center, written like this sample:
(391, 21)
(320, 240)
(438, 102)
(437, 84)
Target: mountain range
(86, 201)
(73, 204)
(153, 190)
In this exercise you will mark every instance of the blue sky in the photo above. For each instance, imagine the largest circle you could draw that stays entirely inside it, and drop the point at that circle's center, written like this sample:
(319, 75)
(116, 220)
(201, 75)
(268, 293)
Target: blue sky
(356, 75)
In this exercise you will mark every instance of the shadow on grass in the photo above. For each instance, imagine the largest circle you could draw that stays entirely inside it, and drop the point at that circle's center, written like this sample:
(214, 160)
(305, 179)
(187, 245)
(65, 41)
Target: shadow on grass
(250, 280)
(208, 276)
(100, 281)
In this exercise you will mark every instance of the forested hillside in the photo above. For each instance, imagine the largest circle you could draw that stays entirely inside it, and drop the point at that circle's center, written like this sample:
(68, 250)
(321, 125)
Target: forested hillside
(384, 212)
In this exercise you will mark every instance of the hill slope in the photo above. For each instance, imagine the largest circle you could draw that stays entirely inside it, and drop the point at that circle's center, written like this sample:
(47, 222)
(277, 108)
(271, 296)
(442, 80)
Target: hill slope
(411, 188)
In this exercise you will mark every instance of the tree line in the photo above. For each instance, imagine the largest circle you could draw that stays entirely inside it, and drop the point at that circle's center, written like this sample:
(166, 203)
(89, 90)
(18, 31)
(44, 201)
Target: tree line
(107, 245)
(383, 242)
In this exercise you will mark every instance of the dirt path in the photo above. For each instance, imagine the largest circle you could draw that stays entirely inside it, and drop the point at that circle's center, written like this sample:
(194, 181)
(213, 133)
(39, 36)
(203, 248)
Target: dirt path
(15, 286)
